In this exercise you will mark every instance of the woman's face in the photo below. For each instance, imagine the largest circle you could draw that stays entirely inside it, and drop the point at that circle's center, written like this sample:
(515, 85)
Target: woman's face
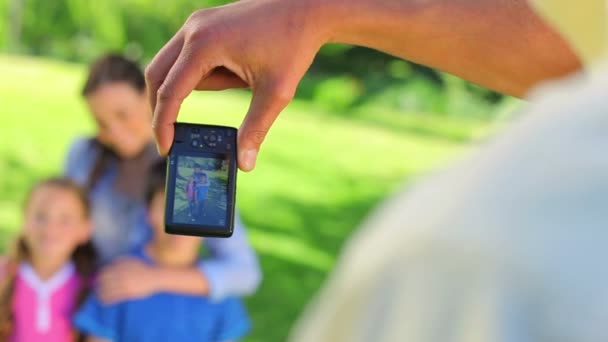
(123, 118)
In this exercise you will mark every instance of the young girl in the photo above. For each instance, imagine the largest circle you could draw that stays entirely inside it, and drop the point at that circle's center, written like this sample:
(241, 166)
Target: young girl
(190, 191)
(200, 194)
(50, 267)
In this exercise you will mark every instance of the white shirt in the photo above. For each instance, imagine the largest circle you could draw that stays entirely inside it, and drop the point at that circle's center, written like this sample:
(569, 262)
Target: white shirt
(508, 246)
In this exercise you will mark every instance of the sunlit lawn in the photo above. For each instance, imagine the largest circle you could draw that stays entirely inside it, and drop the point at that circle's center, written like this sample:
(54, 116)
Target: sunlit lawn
(318, 175)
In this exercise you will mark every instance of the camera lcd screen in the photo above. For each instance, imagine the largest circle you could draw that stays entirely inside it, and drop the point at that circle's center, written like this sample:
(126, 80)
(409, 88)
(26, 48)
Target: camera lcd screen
(201, 190)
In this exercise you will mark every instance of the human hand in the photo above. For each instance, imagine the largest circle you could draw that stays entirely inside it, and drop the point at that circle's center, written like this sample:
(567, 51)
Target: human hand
(266, 45)
(127, 278)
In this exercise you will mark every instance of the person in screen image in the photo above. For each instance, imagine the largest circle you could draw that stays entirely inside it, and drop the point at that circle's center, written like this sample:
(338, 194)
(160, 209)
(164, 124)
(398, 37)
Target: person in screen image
(191, 191)
(202, 198)
(201, 189)
(165, 316)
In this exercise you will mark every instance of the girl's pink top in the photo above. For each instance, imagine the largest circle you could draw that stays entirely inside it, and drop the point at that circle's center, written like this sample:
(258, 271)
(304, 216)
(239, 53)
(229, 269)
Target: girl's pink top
(190, 189)
(43, 309)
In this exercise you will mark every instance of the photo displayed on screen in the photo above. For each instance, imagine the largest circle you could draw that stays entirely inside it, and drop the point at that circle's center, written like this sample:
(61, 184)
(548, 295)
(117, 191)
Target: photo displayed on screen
(201, 190)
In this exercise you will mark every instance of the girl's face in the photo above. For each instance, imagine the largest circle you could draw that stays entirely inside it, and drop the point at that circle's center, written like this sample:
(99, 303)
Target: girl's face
(55, 223)
(123, 118)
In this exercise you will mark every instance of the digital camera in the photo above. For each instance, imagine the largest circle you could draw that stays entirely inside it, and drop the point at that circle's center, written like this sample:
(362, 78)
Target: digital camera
(201, 181)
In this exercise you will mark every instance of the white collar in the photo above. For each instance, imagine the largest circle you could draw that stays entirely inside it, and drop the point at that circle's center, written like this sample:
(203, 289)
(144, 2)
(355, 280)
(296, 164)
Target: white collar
(44, 289)
(46, 286)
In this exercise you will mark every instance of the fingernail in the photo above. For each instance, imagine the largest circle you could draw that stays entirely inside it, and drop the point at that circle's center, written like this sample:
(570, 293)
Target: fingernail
(248, 159)
(161, 151)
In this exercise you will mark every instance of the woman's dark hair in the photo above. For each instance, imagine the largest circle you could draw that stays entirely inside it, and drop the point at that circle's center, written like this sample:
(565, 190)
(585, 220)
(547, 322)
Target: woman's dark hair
(114, 68)
(84, 258)
(156, 179)
(109, 68)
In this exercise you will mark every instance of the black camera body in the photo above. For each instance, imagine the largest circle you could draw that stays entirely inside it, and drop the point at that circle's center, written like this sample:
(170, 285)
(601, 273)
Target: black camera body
(201, 181)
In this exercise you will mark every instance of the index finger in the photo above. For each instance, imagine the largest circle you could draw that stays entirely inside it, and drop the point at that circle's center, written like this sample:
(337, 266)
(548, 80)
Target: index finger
(159, 67)
(183, 77)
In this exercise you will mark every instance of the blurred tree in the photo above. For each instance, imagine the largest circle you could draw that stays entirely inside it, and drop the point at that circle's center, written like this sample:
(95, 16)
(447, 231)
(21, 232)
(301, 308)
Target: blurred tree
(14, 24)
(341, 77)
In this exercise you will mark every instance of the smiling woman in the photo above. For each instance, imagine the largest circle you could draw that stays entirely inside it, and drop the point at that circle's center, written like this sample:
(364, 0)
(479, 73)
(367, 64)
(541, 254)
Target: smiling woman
(113, 165)
(115, 92)
(116, 95)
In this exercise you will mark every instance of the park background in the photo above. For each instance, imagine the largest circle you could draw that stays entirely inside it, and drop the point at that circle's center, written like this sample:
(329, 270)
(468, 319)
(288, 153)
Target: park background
(363, 125)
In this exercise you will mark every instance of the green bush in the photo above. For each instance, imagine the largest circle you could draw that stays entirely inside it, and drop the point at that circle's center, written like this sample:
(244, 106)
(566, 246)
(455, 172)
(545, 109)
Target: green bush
(338, 93)
(341, 77)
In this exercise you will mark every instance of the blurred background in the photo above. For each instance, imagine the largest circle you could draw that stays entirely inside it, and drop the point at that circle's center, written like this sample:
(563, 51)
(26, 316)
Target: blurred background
(363, 125)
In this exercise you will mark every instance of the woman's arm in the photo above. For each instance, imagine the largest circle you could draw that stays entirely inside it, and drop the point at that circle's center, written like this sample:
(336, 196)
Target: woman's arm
(130, 278)
(232, 270)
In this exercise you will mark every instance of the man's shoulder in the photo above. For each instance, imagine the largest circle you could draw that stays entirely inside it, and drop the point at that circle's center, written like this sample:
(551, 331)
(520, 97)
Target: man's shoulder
(80, 158)
(82, 146)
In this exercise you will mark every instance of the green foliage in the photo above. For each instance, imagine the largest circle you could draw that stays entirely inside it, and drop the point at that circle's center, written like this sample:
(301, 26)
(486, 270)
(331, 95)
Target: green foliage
(82, 30)
(318, 174)
(338, 93)
(341, 77)
(3, 23)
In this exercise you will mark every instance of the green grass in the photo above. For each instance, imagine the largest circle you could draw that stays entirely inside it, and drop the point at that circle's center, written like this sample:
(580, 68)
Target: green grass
(318, 174)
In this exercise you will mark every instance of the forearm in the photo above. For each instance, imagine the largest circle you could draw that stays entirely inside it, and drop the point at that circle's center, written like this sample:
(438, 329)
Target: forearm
(233, 277)
(182, 280)
(500, 44)
(234, 269)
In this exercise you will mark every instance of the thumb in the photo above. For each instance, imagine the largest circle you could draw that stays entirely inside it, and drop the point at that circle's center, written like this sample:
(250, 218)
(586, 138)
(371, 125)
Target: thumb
(269, 99)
